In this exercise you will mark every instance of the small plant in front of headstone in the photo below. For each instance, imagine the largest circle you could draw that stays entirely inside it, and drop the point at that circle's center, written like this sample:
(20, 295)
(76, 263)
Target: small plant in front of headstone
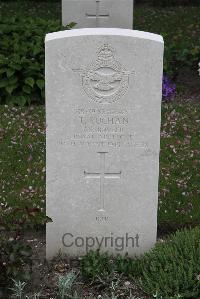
(14, 256)
(18, 288)
(18, 291)
(65, 284)
(96, 265)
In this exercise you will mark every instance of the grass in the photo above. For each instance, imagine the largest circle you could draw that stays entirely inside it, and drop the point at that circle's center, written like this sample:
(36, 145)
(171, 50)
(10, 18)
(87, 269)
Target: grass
(179, 164)
(22, 161)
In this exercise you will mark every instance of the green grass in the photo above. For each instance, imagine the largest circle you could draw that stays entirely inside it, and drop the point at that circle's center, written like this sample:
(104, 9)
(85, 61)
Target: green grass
(179, 165)
(22, 161)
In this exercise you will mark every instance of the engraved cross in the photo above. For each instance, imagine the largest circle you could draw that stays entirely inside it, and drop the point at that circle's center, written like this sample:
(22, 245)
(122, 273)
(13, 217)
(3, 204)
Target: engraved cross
(97, 14)
(102, 175)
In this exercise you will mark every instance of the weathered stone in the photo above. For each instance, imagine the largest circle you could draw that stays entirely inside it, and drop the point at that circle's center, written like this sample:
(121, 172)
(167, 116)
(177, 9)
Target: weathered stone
(98, 13)
(103, 100)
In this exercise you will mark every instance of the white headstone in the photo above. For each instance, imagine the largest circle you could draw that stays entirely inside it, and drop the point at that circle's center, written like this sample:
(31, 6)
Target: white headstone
(103, 102)
(98, 13)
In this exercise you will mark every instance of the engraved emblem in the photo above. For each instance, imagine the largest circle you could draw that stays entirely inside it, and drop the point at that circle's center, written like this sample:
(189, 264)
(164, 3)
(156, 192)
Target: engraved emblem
(105, 80)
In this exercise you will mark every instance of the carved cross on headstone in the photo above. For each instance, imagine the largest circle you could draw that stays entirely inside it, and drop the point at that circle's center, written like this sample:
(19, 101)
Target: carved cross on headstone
(102, 175)
(97, 14)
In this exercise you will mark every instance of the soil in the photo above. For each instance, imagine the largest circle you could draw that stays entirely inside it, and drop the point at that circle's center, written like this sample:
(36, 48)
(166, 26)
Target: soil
(44, 275)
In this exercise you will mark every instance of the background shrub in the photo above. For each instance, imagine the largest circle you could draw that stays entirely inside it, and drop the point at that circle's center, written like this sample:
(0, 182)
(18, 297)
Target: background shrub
(22, 59)
(175, 2)
(164, 3)
(22, 53)
(152, 2)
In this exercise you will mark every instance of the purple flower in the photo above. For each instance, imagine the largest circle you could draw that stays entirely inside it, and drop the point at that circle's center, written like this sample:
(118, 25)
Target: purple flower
(168, 88)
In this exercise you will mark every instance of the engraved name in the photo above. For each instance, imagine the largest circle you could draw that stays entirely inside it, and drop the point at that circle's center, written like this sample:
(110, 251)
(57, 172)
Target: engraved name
(115, 120)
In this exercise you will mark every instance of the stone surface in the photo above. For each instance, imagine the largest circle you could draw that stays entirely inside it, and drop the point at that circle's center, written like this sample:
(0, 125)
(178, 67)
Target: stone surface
(98, 13)
(103, 102)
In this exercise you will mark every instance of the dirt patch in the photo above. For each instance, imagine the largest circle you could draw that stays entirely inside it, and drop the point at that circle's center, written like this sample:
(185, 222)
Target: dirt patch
(44, 274)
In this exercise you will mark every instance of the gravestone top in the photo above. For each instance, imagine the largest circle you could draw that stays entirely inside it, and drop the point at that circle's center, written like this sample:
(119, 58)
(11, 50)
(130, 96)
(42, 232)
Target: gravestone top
(103, 113)
(103, 31)
(98, 13)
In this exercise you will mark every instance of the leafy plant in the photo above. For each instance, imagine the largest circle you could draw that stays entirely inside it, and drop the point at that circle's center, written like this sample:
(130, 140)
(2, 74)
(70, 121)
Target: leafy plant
(181, 43)
(65, 285)
(95, 265)
(175, 2)
(172, 268)
(18, 289)
(13, 257)
(34, 296)
(22, 59)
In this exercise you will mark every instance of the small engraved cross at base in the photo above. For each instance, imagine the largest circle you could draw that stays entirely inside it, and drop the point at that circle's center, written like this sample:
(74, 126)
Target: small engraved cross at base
(102, 175)
(97, 15)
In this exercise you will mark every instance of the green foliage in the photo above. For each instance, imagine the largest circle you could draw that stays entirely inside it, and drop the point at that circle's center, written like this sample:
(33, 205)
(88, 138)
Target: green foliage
(170, 270)
(65, 284)
(14, 256)
(165, 3)
(18, 288)
(22, 46)
(95, 265)
(19, 292)
(180, 55)
(182, 43)
(22, 59)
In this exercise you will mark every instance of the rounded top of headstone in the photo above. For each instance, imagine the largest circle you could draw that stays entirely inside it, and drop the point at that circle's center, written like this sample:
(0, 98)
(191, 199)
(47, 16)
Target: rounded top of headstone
(104, 31)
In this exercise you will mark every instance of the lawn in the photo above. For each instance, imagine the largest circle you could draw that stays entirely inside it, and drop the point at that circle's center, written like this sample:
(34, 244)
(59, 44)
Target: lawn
(22, 159)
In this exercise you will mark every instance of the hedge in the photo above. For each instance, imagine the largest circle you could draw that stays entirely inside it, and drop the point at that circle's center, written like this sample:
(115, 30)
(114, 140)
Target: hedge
(164, 3)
